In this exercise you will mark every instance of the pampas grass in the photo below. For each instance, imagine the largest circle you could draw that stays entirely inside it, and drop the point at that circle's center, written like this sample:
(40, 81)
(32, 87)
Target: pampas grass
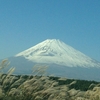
(39, 70)
(42, 87)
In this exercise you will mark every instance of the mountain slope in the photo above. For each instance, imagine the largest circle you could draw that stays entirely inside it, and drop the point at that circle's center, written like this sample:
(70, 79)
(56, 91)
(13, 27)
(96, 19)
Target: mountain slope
(62, 60)
(53, 51)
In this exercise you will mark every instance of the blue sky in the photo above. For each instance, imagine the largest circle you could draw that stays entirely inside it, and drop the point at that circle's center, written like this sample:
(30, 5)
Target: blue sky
(24, 23)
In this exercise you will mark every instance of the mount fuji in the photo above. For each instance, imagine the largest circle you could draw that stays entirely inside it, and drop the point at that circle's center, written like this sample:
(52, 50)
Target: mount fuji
(53, 51)
(62, 60)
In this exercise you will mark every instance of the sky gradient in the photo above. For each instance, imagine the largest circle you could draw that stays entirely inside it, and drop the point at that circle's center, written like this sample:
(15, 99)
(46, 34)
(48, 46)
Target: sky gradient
(24, 23)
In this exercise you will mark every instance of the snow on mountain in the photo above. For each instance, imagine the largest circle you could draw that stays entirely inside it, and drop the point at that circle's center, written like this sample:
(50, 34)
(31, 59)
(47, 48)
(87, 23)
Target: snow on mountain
(54, 51)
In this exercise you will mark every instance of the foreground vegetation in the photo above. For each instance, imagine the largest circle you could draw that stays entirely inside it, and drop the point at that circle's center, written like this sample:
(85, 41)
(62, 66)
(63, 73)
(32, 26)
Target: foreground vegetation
(39, 87)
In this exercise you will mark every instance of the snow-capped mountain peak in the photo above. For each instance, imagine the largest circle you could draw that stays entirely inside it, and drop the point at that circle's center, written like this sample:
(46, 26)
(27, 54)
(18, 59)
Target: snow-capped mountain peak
(54, 51)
